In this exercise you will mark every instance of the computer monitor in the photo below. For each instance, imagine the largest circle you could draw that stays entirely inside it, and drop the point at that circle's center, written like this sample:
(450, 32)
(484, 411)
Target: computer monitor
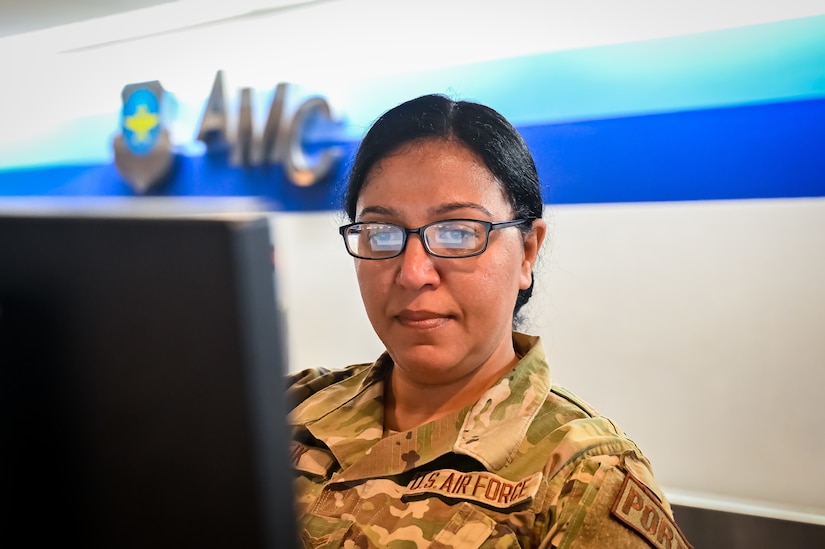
(141, 367)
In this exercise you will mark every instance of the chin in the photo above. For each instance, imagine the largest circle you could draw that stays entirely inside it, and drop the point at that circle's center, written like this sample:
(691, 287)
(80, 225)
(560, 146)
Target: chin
(425, 361)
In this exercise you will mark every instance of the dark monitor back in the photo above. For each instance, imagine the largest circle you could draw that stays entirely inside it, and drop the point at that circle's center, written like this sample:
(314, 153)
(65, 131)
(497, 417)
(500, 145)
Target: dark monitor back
(141, 362)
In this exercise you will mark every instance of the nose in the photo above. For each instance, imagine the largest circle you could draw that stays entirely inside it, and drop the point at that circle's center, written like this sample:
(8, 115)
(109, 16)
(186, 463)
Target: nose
(417, 268)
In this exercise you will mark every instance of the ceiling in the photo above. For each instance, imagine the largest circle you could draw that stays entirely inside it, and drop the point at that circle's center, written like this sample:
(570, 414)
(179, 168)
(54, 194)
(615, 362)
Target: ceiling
(22, 16)
(39, 21)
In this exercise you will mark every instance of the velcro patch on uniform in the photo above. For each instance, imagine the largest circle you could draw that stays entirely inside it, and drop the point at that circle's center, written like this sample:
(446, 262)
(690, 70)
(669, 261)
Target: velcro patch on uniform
(315, 461)
(638, 508)
(479, 486)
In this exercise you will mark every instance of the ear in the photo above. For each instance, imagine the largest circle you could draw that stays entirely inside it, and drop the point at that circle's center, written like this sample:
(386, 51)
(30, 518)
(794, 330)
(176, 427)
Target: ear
(532, 245)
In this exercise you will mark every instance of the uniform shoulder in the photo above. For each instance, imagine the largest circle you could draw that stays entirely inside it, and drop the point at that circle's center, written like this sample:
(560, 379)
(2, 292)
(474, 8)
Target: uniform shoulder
(568, 431)
(613, 501)
(566, 415)
(566, 396)
(571, 412)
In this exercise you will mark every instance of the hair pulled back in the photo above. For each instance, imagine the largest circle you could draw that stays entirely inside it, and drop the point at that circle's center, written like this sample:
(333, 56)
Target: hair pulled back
(479, 128)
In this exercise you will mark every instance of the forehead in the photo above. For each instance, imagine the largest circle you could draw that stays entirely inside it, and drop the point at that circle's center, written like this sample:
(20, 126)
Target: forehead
(431, 175)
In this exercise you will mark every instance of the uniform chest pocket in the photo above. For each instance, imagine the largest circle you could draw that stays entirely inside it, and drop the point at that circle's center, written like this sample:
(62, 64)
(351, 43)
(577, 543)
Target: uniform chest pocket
(466, 528)
(324, 532)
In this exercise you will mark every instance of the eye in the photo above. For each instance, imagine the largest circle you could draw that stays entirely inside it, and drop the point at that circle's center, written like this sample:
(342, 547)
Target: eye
(456, 235)
(384, 237)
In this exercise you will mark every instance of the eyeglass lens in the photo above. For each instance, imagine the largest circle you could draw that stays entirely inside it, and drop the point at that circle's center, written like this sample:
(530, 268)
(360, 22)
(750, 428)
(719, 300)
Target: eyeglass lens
(448, 238)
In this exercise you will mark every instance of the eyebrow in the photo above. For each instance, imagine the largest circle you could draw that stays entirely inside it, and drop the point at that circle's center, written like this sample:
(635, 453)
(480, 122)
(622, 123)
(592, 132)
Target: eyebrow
(377, 210)
(441, 209)
(453, 206)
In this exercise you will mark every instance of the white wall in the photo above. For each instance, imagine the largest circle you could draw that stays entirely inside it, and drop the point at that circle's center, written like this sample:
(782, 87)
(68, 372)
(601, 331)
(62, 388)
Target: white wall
(699, 327)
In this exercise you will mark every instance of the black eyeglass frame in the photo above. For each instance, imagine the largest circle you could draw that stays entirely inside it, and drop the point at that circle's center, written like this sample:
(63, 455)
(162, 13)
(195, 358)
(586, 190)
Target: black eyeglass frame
(488, 226)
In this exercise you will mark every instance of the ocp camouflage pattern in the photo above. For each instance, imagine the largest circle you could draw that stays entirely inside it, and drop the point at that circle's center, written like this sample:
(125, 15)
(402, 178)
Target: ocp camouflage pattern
(529, 465)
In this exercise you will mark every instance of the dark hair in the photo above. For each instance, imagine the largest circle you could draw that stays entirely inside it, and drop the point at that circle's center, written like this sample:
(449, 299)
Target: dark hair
(479, 128)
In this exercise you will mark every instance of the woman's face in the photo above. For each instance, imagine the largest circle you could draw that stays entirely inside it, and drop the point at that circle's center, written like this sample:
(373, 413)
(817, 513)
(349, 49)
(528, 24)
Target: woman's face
(442, 319)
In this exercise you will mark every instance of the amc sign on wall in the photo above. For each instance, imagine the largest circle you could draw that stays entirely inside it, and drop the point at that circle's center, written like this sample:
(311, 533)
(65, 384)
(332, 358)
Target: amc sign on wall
(144, 154)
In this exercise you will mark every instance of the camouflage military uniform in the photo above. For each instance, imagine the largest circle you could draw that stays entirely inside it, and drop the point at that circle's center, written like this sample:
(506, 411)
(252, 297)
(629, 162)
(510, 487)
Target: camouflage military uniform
(529, 465)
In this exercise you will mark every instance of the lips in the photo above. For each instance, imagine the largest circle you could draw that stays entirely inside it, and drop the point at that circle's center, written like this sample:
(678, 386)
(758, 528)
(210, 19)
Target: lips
(422, 320)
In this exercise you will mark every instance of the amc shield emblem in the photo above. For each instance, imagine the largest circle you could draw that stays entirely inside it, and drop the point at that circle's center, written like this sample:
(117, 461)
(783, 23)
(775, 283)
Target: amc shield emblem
(143, 151)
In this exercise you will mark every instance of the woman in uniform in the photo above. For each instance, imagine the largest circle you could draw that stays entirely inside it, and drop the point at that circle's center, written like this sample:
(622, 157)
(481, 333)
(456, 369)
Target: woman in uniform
(456, 436)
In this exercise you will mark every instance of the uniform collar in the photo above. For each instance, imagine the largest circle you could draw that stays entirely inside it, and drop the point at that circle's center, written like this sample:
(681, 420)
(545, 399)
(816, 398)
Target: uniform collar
(495, 426)
(348, 418)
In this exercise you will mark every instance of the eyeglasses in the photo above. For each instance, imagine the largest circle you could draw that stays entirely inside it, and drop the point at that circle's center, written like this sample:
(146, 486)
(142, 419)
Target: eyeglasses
(451, 238)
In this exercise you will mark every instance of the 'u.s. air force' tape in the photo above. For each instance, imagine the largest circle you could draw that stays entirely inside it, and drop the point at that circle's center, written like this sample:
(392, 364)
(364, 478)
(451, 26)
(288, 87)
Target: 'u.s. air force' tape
(640, 510)
(482, 487)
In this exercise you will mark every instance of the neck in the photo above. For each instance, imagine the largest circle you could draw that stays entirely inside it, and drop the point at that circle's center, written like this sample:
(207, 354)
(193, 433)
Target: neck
(409, 404)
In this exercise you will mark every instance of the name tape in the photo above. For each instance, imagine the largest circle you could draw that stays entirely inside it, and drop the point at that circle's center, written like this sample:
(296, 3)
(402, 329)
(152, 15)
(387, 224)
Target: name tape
(637, 508)
(482, 487)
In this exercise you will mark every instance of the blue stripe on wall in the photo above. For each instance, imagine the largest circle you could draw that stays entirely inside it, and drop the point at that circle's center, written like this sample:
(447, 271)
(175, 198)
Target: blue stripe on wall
(759, 151)
(762, 151)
